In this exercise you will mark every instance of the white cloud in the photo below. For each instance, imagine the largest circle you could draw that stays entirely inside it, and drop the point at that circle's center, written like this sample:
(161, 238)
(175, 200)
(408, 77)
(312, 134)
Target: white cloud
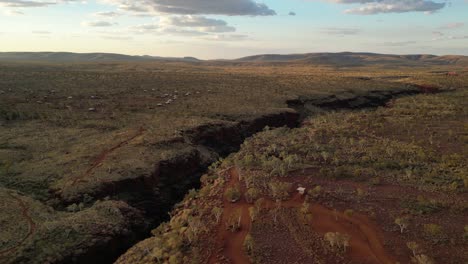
(116, 37)
(341, 31)
(41, 32)
(370, 7)
(195, 7)
(199, 23)
(32, 3)
(224, 37)
(398, 43)
(108, 14)
(452, 25)
(13, 13)
(98, 24)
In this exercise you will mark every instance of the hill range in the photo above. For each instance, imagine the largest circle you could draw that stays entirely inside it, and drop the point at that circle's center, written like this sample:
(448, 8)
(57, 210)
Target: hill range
(338, 59)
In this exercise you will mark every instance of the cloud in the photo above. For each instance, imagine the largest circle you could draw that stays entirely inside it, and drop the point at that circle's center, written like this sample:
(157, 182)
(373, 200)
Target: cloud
(116, 37)
(109, 14)
(199, 23)
(98, 24)
(452, 25)
(41, 32)
(13, 13)
(292, 13)
(341, 31)
(32, 3)
(371, 7)
(398, 43)
(223, 37)
(189, 25)
(195, 7)
(451, 38)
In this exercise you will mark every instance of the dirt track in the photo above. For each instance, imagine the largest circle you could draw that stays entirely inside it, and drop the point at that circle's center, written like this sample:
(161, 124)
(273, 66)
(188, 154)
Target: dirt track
(365, 245)
(103, 155)
(31, 225)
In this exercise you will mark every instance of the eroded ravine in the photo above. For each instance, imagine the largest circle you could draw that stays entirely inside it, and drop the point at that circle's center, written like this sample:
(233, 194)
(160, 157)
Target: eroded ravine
(174, 177)
(222, 140)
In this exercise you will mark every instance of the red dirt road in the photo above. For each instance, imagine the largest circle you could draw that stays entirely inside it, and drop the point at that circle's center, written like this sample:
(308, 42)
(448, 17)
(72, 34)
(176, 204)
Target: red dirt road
(232, 243)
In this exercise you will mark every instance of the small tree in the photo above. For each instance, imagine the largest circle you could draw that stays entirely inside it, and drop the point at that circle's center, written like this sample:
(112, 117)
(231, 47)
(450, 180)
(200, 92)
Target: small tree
(414, 247)
(423, 259)
(252, 194)
(217, 213)
(402, 222)
(259, 204)
(338, 240)
(280, 190)
(233, 194)
(253, 212)
(234, 221)
(343, 241)
(276, 210)
(305, 208)
(248, 244)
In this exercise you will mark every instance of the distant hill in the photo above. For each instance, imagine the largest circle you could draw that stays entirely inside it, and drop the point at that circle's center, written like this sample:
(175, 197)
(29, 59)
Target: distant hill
(359, 59)
(334, 59)
(82, 57)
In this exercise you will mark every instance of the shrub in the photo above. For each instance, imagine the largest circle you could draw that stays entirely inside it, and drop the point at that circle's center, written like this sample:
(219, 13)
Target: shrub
(422, 259)
(253, 212)
(192, 194)
(349, 212)
(338, 240)
(360, 193)
(233, 194)
(414, 247)
(234, 221)
(217, 213)
(434, 232)
(259, 204)
(252, 194)
(315, 192)
(402, 222)
(280, 190)
(248, 244)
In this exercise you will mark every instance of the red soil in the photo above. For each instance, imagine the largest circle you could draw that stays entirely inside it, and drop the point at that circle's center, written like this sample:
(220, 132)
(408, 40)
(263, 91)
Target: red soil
(31, 225)
(365, 244)
(232, 243)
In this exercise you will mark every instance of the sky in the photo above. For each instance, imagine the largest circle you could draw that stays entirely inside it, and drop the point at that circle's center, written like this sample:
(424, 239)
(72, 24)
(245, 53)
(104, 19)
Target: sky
(215, 29)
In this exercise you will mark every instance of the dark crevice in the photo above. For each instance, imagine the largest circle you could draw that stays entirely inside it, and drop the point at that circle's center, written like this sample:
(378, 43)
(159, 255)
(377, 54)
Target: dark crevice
(156, 194)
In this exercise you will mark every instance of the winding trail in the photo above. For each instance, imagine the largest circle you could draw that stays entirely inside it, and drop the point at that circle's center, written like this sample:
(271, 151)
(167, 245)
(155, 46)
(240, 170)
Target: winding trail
(31, 225)
(103, 155)
(365, 244)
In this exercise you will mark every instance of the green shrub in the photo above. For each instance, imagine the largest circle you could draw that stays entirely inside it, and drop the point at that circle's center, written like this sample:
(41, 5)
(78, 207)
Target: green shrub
(233, 194)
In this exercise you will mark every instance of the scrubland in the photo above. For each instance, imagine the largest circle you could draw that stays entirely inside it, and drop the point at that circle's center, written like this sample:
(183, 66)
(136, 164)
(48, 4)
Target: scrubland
(78, 142)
